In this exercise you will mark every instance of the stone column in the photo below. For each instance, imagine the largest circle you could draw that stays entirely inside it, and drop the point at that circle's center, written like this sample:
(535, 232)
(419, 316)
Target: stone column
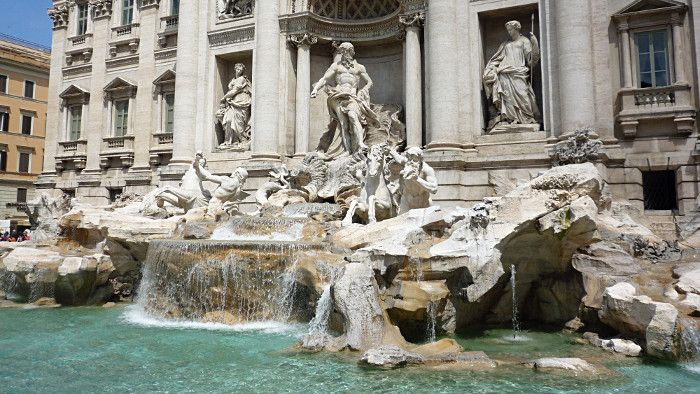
(186, 84)
(441, 64)
(303, 43)
(413, 78)
(623, 27)
(266, 81)
(575, 53)
(678, 49)
(53, 131)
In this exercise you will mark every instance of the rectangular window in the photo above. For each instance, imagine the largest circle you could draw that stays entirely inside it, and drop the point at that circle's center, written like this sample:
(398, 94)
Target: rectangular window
(121, 117)
(175, 7)
(76, 118)
(3, 160)
(82, 19)
(169, 112)
(29, 89)
(21, 195)
(24, 162)
(127, 12)
(4, 121)
(3, 84)
(27, 122)
(652, 52)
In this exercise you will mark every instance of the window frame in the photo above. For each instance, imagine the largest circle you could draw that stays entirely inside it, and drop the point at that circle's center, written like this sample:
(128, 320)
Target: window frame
(21, 152)
(174, 7)
(670, 66)
(130, 9)
(79, 19)
(25, 195)
(7, 84)
(166, 112)
(70, 122)
(5, 120)
(3, 158)
(31, 123)
(24, 90)
(115, 116)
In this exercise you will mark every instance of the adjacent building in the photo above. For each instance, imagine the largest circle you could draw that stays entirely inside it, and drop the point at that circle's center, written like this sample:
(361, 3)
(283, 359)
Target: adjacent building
(136, 85)
(24, 83)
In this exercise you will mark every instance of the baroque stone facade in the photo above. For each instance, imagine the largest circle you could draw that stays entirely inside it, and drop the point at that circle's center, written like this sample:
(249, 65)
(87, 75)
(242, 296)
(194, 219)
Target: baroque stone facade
(149, 77)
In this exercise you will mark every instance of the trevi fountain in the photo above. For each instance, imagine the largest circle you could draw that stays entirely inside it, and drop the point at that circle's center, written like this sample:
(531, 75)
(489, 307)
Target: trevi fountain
(345, 276)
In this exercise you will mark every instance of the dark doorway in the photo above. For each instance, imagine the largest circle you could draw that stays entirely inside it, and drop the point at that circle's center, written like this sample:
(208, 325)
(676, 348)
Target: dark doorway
(114, 194)
(660, 190)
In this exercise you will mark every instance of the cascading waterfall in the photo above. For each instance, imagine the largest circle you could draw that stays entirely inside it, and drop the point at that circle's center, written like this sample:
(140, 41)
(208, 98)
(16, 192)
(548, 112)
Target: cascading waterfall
(222, 282)
(432, 322)
(324, 307)
(516, 324)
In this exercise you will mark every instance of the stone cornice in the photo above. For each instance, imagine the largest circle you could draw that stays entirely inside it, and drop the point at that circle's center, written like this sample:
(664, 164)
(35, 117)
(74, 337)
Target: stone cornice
(345, 30)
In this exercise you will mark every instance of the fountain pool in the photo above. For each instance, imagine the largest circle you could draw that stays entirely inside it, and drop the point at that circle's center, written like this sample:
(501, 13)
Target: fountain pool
(121, 350)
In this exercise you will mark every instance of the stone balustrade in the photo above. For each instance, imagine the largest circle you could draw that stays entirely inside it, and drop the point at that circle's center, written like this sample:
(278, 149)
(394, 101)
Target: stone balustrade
(161, 147)
(80, 48)
(645, 104)
(168, 27)
(119, 148)
(127, 35)
(71, 152)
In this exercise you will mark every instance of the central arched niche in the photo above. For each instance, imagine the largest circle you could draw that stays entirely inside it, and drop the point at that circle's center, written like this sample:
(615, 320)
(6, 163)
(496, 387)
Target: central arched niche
(383, 60)
(353, 9)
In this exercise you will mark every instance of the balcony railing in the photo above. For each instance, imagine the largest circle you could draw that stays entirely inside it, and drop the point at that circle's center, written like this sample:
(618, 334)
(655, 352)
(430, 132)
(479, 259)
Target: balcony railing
(666, 102)
(163, 138)
(169, 22)
(81, 40)
(124, 143)
(73, 147)
(125, 32)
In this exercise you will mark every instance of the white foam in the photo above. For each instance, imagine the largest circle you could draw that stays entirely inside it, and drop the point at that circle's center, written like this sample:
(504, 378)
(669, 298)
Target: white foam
(516, 338)
(692, 367)
(225, 233)
(136, 315)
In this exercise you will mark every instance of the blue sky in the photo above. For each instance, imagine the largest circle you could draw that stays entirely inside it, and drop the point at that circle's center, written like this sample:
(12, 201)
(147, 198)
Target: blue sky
(27, 20)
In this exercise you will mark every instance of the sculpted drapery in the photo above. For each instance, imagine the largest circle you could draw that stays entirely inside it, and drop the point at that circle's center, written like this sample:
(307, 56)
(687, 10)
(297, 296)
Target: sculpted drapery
(507, 80)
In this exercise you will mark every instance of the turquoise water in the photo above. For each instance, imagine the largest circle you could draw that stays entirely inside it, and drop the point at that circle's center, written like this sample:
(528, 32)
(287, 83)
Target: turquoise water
(119, 350)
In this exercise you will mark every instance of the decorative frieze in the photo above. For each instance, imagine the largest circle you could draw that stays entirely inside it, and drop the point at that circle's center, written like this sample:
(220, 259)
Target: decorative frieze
(101, 8)
(59, 16)
(234, 36)
(74, 71)
(353, 10)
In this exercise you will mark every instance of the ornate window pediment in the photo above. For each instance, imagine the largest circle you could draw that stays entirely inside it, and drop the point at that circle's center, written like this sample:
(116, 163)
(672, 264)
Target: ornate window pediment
(651, 6)
(165, 78)
(75, 92)
(120, 87)
(354, 9)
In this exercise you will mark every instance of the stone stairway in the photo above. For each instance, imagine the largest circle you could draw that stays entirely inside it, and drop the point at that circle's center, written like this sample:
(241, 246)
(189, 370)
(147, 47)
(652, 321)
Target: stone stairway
(663, 224)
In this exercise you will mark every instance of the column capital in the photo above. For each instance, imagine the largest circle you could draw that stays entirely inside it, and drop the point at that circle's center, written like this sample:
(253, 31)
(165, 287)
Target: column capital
(302, 39)
(676, 19)
(415, 19)
(623, 24)
(59, 16)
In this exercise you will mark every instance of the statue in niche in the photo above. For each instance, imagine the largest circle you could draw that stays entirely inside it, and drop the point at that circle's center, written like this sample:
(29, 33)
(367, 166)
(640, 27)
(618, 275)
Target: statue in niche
(508, 83)
(191, 193)
(234, 111)
(417, 180)
(234, 8)
(228, 194)
(348, 104)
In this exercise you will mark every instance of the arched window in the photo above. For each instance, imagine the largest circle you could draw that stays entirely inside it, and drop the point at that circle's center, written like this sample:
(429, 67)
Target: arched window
(353, 9)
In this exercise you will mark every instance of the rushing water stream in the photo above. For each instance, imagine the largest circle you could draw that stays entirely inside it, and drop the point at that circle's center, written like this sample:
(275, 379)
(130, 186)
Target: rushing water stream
(121, 350)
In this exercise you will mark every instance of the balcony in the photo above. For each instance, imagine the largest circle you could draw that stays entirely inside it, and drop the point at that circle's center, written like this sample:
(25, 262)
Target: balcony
(161, 147)
(168, 27)
(79, 46)
(648, 104)
(117, 149)
(127, 35)
(71, 153)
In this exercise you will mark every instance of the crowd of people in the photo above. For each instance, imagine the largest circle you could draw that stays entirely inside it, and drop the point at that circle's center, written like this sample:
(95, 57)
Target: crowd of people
(14, 236)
